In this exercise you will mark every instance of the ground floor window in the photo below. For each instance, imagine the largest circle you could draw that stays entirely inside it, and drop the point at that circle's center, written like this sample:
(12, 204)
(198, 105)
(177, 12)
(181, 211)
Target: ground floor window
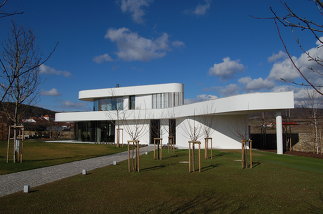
(95, 131)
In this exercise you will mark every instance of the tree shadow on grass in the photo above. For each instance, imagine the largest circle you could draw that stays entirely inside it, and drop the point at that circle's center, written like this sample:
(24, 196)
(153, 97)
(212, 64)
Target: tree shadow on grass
(255, 164)
(220, 154)
(171, 156)
(153, 168)
(204, 203)
(209, 167)
(33, 190)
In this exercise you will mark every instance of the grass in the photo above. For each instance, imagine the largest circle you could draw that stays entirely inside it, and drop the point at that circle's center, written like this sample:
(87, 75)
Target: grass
(40, 154)
(277, 184)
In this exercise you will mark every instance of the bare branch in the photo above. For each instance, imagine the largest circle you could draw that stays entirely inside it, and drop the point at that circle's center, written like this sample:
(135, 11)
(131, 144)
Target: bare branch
(7, 14)
(292, 61)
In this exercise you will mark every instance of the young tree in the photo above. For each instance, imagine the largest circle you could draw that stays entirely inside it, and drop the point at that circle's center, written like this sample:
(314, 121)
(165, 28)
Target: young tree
(192, 128)
(312, 104)
(136, 127)
(20, 74)
(115, 114)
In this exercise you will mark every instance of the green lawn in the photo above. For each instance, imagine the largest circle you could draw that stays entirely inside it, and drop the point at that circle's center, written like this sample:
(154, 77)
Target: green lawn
(278, 184)
(40, 154)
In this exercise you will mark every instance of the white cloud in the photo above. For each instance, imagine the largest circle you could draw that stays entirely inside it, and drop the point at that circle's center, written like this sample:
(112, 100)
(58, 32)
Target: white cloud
(51, 92)
(178, 44)
(200, 98)
(256, 84)
(283, 70)
(227, 68)
(102, 58)
(286, 70)
(133, 47)
(277, 56)
(201, 9)
(229, 90)
(135, 8)
(44, 69)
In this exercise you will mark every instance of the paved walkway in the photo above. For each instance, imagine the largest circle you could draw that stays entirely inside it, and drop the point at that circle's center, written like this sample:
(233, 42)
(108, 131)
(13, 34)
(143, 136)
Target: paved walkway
(14, 182)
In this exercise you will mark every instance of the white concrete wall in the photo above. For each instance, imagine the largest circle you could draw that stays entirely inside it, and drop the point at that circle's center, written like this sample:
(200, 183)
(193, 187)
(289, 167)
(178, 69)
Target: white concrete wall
(225, 131)
(130, 126)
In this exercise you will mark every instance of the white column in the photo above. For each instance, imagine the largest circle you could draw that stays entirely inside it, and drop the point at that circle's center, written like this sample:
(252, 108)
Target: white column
(279, 133)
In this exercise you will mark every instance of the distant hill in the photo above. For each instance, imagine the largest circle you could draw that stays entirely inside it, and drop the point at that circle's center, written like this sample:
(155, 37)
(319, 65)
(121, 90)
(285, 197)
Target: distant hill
(32, 111)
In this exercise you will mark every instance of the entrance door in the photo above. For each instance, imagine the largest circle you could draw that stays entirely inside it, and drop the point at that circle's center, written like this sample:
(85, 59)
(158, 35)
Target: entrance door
(154, 130)
(172, 128)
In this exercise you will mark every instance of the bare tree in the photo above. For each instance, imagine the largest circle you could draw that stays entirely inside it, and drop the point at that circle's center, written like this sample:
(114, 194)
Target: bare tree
(134, 123)
(20, 77)
(241, 130)
(169, 114)
(208, 122)
(115, 115)
(295, 22)
(312, 104)
(192, 128)
(4, 14)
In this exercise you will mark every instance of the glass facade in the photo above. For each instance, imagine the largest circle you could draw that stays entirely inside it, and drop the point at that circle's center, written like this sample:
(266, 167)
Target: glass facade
(108, 104)
(95, 131)
(167, 100)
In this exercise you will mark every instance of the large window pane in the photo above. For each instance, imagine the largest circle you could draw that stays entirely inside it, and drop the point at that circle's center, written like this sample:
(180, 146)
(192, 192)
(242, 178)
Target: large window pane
(132, 102)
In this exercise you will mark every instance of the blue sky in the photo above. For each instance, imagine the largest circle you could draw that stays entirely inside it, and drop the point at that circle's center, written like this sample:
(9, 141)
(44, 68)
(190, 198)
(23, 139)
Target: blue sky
(214, 47)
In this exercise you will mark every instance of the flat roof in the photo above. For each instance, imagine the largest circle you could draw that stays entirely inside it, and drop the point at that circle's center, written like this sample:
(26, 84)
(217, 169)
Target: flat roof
(90, 95)
(234, 105)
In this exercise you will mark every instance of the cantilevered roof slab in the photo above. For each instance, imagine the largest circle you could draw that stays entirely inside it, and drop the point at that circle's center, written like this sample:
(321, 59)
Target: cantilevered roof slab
(90, 95)
(238, 104)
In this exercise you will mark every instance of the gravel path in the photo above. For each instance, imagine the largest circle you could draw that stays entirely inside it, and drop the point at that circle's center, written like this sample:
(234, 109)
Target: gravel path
(14, 182)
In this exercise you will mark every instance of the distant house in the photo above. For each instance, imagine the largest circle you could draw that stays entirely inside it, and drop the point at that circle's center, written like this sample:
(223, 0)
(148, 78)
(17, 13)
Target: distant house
(29, 120)
(46, 117)
(162, 107)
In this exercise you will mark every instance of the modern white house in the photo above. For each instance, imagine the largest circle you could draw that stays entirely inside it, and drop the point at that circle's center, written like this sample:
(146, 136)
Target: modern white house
(158, 111)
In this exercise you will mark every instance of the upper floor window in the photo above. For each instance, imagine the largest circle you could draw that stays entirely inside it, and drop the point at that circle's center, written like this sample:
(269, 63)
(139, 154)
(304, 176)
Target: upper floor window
(167, 100)
(108, 104)
(132, 102)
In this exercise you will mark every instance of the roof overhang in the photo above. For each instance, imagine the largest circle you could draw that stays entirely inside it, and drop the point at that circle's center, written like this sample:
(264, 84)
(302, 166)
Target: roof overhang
(234, 105)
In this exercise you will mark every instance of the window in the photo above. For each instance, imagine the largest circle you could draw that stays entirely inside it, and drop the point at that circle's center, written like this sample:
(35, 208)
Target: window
(167, 100)
(96, 105)
(132, 102)
(108, 104)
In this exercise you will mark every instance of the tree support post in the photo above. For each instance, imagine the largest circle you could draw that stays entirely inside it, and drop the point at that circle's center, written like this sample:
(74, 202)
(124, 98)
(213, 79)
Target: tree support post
(133, 156)
(171, 143)
(18, 139)
(244, 154)
(158, 145)
(191, 155)
(206, 149)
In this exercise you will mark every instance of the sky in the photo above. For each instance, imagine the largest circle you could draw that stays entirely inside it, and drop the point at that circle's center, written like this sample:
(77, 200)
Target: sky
(216, 48)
